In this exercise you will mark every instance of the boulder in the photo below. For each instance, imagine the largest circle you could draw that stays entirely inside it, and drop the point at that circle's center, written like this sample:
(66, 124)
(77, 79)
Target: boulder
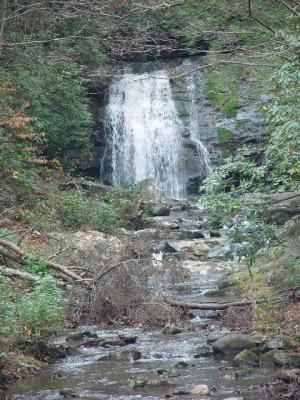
(233, 344)
(139, 383)
(163, 247)
(154, 198)
(279, 343)
(200, 390)
(291, 228)
(204, 351)
(160, 210)
(191, 247)
(146, 235)
(171, 329)
(192, 234)
(213, 339)
(68, 394)
(163, 223)
(289, 376)
(81, 335)
(283, 207)
(181, 365)
(282, 358)
(245, 358)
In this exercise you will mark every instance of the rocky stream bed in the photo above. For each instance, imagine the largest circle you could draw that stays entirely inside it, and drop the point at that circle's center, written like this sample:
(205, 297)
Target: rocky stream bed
(159, 365)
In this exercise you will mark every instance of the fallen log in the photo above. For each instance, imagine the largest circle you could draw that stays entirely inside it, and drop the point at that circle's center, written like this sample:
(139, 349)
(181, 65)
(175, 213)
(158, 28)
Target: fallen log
(12, 252)
(213, 306)
(16, 273)
(12, 273)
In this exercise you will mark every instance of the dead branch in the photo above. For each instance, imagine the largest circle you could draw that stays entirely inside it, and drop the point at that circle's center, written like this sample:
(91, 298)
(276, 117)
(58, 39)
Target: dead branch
(256, 19)
(14, 253)
(209, 306)
(10, 272)
(15, 273)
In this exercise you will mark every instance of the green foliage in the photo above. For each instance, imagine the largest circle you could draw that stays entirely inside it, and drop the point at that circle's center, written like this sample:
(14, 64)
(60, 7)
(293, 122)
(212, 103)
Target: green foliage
(72, 209)
(118, 208)
(226, 190)
(126, 200)
(283, 115)
(293, 272)
(105, 218)
(37, 266)
(238, 174)
(55, 88)
(30, 314)
(224, 135)
(41, 311)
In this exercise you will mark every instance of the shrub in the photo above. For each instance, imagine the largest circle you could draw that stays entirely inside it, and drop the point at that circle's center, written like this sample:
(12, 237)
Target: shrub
(105, 218)
(30, 314)
(41, 311)
(72, 209)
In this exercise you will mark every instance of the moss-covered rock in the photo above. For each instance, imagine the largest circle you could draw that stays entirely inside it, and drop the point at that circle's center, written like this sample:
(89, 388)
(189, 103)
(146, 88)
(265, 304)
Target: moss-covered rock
(245, 358)
(233, 344)
(135, 382)
(171, 329)
(289, 376)
(81, 335)
(280, 358)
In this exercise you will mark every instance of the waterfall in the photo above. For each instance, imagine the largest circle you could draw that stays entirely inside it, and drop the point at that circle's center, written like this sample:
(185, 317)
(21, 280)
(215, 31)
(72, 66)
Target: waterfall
(144, 131)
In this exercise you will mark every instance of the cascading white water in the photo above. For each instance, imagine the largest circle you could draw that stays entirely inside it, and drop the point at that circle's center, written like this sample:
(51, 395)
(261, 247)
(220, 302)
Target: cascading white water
(144, 128)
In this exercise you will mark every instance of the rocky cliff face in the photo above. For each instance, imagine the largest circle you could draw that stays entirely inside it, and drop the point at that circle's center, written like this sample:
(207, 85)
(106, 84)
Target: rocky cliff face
(206, 134)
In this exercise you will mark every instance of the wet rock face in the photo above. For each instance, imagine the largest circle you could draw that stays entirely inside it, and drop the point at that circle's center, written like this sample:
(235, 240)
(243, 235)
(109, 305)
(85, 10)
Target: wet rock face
(233, 344)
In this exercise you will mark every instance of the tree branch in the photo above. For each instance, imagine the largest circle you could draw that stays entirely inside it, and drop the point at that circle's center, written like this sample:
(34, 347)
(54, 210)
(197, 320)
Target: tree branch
(255, 18)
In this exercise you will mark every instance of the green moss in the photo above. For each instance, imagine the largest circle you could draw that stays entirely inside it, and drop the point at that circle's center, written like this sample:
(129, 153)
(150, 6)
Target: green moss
(222, 91)
(231, 107)
(224, 135)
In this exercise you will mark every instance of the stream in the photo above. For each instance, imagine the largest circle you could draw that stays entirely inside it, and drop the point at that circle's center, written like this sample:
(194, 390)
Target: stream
(83, 376)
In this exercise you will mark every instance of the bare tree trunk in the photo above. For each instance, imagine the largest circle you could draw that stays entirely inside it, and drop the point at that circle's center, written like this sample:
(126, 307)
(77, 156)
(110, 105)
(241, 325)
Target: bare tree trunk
(2, 28)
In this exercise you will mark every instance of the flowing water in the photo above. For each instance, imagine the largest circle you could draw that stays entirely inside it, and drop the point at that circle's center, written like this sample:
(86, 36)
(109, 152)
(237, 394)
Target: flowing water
(145, 137)
(143, 131)
(144, 141)
(92, 379)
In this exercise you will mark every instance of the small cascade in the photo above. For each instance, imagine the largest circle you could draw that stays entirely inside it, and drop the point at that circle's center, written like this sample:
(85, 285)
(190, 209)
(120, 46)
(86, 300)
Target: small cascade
(144, 132)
